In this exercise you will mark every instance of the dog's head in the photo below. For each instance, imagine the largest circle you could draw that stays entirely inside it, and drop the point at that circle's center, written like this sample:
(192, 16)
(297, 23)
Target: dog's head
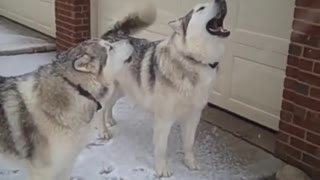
(92, 57)
(202, 29)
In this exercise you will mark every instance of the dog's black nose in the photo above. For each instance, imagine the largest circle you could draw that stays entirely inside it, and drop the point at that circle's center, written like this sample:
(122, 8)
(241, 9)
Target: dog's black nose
(222, 7)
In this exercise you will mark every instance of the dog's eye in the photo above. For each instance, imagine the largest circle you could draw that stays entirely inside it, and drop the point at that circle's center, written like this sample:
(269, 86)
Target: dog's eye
(201, 8)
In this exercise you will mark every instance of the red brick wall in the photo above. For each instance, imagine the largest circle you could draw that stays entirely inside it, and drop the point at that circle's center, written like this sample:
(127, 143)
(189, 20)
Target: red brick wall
(72, 22)
(299, 136)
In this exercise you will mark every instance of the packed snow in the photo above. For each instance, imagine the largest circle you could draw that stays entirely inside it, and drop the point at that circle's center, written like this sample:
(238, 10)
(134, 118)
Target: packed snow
(21, 64)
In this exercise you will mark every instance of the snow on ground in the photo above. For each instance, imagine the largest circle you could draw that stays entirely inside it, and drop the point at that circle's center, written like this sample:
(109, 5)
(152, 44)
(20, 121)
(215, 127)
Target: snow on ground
(20, 64)
(129, 155)
(18, 39)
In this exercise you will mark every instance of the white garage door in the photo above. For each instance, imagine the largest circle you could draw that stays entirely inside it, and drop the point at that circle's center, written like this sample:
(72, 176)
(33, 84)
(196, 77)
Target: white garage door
(252, 73)
(37, 14)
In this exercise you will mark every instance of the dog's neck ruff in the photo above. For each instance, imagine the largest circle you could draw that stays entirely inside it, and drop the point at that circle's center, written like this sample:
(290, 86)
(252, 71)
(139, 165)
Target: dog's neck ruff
(83, 92)
(211, 65)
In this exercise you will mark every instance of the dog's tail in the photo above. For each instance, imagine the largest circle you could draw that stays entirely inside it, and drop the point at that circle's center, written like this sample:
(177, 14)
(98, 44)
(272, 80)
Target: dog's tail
(141, 18)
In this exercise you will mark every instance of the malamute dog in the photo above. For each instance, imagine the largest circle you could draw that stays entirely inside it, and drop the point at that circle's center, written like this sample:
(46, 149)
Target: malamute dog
(172, 78)
(45, 115)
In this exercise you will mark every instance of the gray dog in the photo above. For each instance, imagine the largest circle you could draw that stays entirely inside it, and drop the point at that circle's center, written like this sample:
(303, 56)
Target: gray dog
(46, 115)
(171, 78)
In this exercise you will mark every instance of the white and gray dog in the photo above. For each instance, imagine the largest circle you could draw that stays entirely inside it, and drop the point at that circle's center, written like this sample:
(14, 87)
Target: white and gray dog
(46, 115)
(171, 78)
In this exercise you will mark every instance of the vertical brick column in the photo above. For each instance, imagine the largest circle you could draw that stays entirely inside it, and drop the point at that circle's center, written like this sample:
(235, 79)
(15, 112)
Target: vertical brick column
(298, 140)
(72, 22)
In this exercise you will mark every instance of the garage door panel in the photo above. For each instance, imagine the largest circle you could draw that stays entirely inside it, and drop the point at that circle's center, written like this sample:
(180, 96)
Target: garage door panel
(261, 41)
(271, 17)
(259, 55)
(251, 81)
(37, 14)
(45, 7)
(257, 85)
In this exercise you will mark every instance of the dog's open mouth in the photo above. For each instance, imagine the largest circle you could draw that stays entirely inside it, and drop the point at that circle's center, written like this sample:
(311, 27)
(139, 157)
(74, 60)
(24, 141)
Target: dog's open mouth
(215, 28)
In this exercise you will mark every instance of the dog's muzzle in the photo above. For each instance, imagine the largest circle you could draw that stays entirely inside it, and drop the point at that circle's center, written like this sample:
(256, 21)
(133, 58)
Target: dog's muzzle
(215, 25)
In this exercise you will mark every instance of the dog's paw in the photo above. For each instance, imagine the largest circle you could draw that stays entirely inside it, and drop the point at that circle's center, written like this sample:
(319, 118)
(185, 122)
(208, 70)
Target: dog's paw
(105, 135)
(111, 122)
(192, 164)
(163, 170)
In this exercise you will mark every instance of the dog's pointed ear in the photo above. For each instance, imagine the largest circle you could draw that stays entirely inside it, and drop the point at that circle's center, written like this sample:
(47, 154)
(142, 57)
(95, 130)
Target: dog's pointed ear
(86, 64)
(176, 25)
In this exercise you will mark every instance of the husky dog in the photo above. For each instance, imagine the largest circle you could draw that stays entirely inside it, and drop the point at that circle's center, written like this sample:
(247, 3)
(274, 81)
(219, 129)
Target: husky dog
(45, 115)
(171, 78)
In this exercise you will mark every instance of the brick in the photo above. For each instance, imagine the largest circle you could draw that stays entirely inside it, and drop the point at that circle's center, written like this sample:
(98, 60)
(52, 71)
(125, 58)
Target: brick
(310, 123)
(289, 94)
(295, 50)
(75, 2)
(316, 68)
(289, 83)
(286, 116)
(67, 25)
(308, 3)
(85, 21)
(305, 65)
(70, 24)
(312, 53)
(82, 15)
(293, 61)
(315, 174)
(287, 105)
(309, 40)
(314, 116)
(64, 6)
(281, 136)
(292, 130)
(309, 15)
(301, 88)
(304, 146)
(305, 101)
(292, 72)
(296, 86)
(288, 150)
(315, 92)
(64, 37)
(309, 78)
(82, 28)
(313, 138)
(67, 19)
(63, 12)
(299, 111)
(306, 28)
(313, 161)
(64, 30)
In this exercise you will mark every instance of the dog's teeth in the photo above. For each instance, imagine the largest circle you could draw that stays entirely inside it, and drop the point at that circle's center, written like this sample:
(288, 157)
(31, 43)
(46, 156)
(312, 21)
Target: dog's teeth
(213, 30)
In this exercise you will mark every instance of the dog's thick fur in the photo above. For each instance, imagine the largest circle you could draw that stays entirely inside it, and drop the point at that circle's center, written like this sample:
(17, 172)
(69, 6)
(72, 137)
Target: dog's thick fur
(172, 78)
(44, 121)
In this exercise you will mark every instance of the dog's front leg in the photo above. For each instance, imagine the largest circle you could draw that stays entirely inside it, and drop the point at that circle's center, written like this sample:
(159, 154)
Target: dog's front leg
(162, 127)
(104, 132)
(189, 128)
